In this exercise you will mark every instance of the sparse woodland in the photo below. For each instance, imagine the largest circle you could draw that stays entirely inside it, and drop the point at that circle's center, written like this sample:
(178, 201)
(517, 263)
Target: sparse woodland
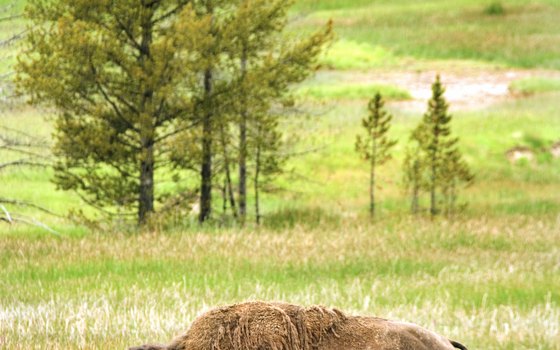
(150, 92)
(192, 94)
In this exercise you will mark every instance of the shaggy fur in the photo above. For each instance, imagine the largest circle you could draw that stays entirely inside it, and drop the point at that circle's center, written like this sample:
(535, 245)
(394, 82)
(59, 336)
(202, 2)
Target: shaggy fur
(282, 326)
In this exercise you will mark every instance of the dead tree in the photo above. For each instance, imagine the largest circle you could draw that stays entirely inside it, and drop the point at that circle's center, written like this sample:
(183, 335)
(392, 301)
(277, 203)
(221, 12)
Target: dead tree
(18, 149)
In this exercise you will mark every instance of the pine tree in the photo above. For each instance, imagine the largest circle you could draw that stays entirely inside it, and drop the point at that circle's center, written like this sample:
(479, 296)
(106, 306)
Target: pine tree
(438, 155)
(267, 65)
(253, 70)
(375, 146)
(266, 146)
(413, 177)
(121, 82)
(456, 172)
(132, 79)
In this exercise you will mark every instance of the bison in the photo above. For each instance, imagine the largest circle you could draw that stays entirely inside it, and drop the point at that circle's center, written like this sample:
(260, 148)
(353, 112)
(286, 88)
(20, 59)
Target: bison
(282, 326)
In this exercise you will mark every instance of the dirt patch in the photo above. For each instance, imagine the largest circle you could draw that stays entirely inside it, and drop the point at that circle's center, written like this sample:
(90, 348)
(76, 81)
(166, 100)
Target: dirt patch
(555, 150)
(466, 89)
(519, 153)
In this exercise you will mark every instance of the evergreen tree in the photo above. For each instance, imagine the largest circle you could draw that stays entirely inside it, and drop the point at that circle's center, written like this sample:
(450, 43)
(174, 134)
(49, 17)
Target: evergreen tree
(121, 76)
(375, 146)
(255, 66)
(413, 177)
(268, 65)
(456, 172)
(132, 79)
(438, 155)
(266, 147)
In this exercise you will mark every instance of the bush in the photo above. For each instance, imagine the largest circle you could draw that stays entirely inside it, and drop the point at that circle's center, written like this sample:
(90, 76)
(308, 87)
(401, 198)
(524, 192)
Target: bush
(495, 9)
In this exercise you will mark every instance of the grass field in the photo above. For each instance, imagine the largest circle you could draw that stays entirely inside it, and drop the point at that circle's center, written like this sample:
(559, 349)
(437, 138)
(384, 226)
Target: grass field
(488, 278)
(490, 283)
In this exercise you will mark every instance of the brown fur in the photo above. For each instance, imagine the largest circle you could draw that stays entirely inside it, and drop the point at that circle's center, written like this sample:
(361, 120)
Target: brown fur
(282, 326)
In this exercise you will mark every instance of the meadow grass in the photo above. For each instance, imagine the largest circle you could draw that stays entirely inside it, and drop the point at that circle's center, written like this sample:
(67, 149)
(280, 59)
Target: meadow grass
(488, 278)
(525, 36)
(490, 283)
(345, 54)
(347, 91)
(537, 85)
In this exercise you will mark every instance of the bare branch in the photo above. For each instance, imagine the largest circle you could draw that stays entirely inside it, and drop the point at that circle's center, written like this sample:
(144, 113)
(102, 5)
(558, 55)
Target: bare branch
(8, 217)
(13, 38)
(37, 223)
(21, 151)
(9, 18)
(172, 12)
(177, 131)
(27, 204)
(16, 131)
(22, 162)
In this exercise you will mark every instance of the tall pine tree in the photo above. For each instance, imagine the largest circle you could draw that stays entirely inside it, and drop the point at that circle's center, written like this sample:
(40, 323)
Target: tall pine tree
(121, 76)
(131, 79)
(438, 155)
(269, 62)
(375, 146)
(256, 65)
(413, 177)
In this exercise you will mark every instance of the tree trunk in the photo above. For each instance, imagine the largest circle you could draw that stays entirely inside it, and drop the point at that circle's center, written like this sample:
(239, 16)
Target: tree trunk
(224, 198)
(415, 187)
(434, 170)
(206, 168)
(256, 183)
(228, 183)
(433, 209)
(372, 180)
(415, 199)
(147, 129)
(146, 197)
(242, 190)
(452, 198)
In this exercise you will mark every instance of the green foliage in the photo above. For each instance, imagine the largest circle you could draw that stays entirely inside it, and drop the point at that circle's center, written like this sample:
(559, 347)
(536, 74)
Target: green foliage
(438, 156)
(256, 76)
(412, 176)
(375, 147)
(345, 55)
(132, 81)
(496, 8)
(116, 75)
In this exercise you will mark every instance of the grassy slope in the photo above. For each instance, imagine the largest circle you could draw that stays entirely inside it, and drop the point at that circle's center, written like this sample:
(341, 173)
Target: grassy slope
(526, 36)
(489, 279)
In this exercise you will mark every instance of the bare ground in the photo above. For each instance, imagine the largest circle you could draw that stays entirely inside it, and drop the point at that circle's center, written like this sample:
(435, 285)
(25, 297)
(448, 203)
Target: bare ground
(466, 88)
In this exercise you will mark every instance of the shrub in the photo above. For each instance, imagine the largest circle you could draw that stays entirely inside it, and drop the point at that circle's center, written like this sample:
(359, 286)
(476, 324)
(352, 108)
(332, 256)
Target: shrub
(496, 8)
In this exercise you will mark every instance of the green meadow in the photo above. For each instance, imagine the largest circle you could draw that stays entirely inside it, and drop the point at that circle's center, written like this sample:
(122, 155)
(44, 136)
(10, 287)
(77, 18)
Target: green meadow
(488, 278)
